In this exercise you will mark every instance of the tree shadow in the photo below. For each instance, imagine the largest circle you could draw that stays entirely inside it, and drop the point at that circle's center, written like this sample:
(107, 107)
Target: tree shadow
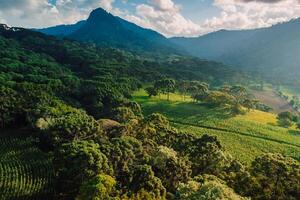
(294, 132)
(191, 112)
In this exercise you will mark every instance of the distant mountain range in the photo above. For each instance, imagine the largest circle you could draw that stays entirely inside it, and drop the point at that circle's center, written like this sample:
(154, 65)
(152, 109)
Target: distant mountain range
(106, 29)
(274, 50)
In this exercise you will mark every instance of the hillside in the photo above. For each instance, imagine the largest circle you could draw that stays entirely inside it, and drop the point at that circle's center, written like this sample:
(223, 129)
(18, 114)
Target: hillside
(105, 29)
(75, 123)
(244, 136)
(272, 51)
(25, 171)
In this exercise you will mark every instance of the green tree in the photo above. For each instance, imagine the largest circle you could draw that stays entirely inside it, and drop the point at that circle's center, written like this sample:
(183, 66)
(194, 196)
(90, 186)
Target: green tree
(166, 86)
(211, 188)
(198, 90)
(286, 119)
(151, 91)
(144, 181)
(123, 114)
(76, 163)
(100, 187)
(63, 126)
(207, 156)
(182, 87)
(220, 99)
(274, 177)
(10, 106)
(170, 167)
(124, 153)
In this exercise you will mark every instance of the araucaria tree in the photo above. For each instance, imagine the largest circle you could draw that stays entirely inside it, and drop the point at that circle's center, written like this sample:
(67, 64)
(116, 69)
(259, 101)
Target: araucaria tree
(166, 86)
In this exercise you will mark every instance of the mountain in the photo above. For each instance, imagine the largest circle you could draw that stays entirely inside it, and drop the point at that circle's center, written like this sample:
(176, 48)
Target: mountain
(62, 30)
(106, 29)
(273, 51)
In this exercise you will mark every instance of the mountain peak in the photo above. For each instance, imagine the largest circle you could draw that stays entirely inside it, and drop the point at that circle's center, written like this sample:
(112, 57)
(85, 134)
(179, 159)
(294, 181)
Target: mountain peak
(99, 13)
(103, 28)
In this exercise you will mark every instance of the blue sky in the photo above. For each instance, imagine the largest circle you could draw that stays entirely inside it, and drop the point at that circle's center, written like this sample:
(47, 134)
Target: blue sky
(169, 17)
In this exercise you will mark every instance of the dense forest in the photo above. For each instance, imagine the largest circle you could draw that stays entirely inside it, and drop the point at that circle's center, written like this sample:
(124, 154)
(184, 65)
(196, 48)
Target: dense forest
(75, 99)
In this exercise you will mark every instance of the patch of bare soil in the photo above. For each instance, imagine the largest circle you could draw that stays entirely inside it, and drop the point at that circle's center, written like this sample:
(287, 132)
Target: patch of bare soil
(270, 98)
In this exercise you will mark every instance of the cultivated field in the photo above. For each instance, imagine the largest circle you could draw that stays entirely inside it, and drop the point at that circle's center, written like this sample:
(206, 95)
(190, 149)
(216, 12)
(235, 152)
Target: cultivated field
(25, 172)
(244, 136)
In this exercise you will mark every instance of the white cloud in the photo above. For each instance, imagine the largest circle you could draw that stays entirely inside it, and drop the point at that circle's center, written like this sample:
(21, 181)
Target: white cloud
(40, 13)
(163, 16)
(167, 5)
(247, 14)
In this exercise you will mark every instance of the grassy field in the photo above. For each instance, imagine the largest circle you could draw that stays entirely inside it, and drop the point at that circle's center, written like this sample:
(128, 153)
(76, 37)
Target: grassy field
(25, 171)
(244, 136)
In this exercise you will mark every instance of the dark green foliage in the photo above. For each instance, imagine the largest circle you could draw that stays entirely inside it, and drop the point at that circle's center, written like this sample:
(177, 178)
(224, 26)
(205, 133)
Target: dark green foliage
(206, 155)
(152, 91)
(64, 92)
(286, 119)
(124, 153)
(144, 179)
(274, 177)
(170, 168)
(76, 163)
(100, 187)
(123, 114)
(10, 106)
(165, 86)
(198, 90)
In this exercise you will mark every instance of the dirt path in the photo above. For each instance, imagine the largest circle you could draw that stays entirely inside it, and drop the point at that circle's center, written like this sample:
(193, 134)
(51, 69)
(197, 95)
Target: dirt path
(270, 98)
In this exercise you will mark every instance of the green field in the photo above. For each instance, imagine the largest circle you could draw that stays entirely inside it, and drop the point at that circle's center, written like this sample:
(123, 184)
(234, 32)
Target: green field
(25, 171)
(244, 136)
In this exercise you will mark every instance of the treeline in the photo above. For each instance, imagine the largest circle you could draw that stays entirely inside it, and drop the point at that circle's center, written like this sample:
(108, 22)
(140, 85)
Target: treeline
(134, 157)
(74, 99)
(235, 99)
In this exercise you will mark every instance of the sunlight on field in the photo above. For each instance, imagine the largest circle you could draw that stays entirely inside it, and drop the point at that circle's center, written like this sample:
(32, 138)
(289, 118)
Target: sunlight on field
(248, 135)
(173, 96)
(259, 116)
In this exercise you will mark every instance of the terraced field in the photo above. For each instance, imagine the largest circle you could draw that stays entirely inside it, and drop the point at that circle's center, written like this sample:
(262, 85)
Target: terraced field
(244, 136)
(25, 171)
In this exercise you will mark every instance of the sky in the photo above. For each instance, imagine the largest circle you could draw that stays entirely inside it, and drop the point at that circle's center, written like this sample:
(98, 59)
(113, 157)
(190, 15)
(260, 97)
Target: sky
(170, 17)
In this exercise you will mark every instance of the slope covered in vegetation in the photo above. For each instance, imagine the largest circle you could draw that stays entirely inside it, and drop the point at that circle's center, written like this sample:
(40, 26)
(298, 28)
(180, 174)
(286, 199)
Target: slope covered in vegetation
(75, 101)
(244, 136)
(26, 172)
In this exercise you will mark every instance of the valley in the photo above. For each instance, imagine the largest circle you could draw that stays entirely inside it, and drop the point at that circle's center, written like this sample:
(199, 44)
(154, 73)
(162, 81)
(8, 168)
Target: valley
(105, 109)
(244, 136)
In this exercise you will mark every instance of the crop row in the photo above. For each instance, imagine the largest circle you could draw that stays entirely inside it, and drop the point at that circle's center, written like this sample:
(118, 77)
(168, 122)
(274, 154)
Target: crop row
(25, 171)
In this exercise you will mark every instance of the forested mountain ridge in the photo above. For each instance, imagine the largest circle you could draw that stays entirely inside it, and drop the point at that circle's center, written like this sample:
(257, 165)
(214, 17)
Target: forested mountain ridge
(31, 53)
(272, 51)
(61, 30)
(105, 29)
(74, 102)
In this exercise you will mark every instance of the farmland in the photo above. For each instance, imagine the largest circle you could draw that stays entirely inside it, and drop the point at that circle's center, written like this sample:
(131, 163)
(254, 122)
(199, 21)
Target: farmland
(25, 171)
(244, 136)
